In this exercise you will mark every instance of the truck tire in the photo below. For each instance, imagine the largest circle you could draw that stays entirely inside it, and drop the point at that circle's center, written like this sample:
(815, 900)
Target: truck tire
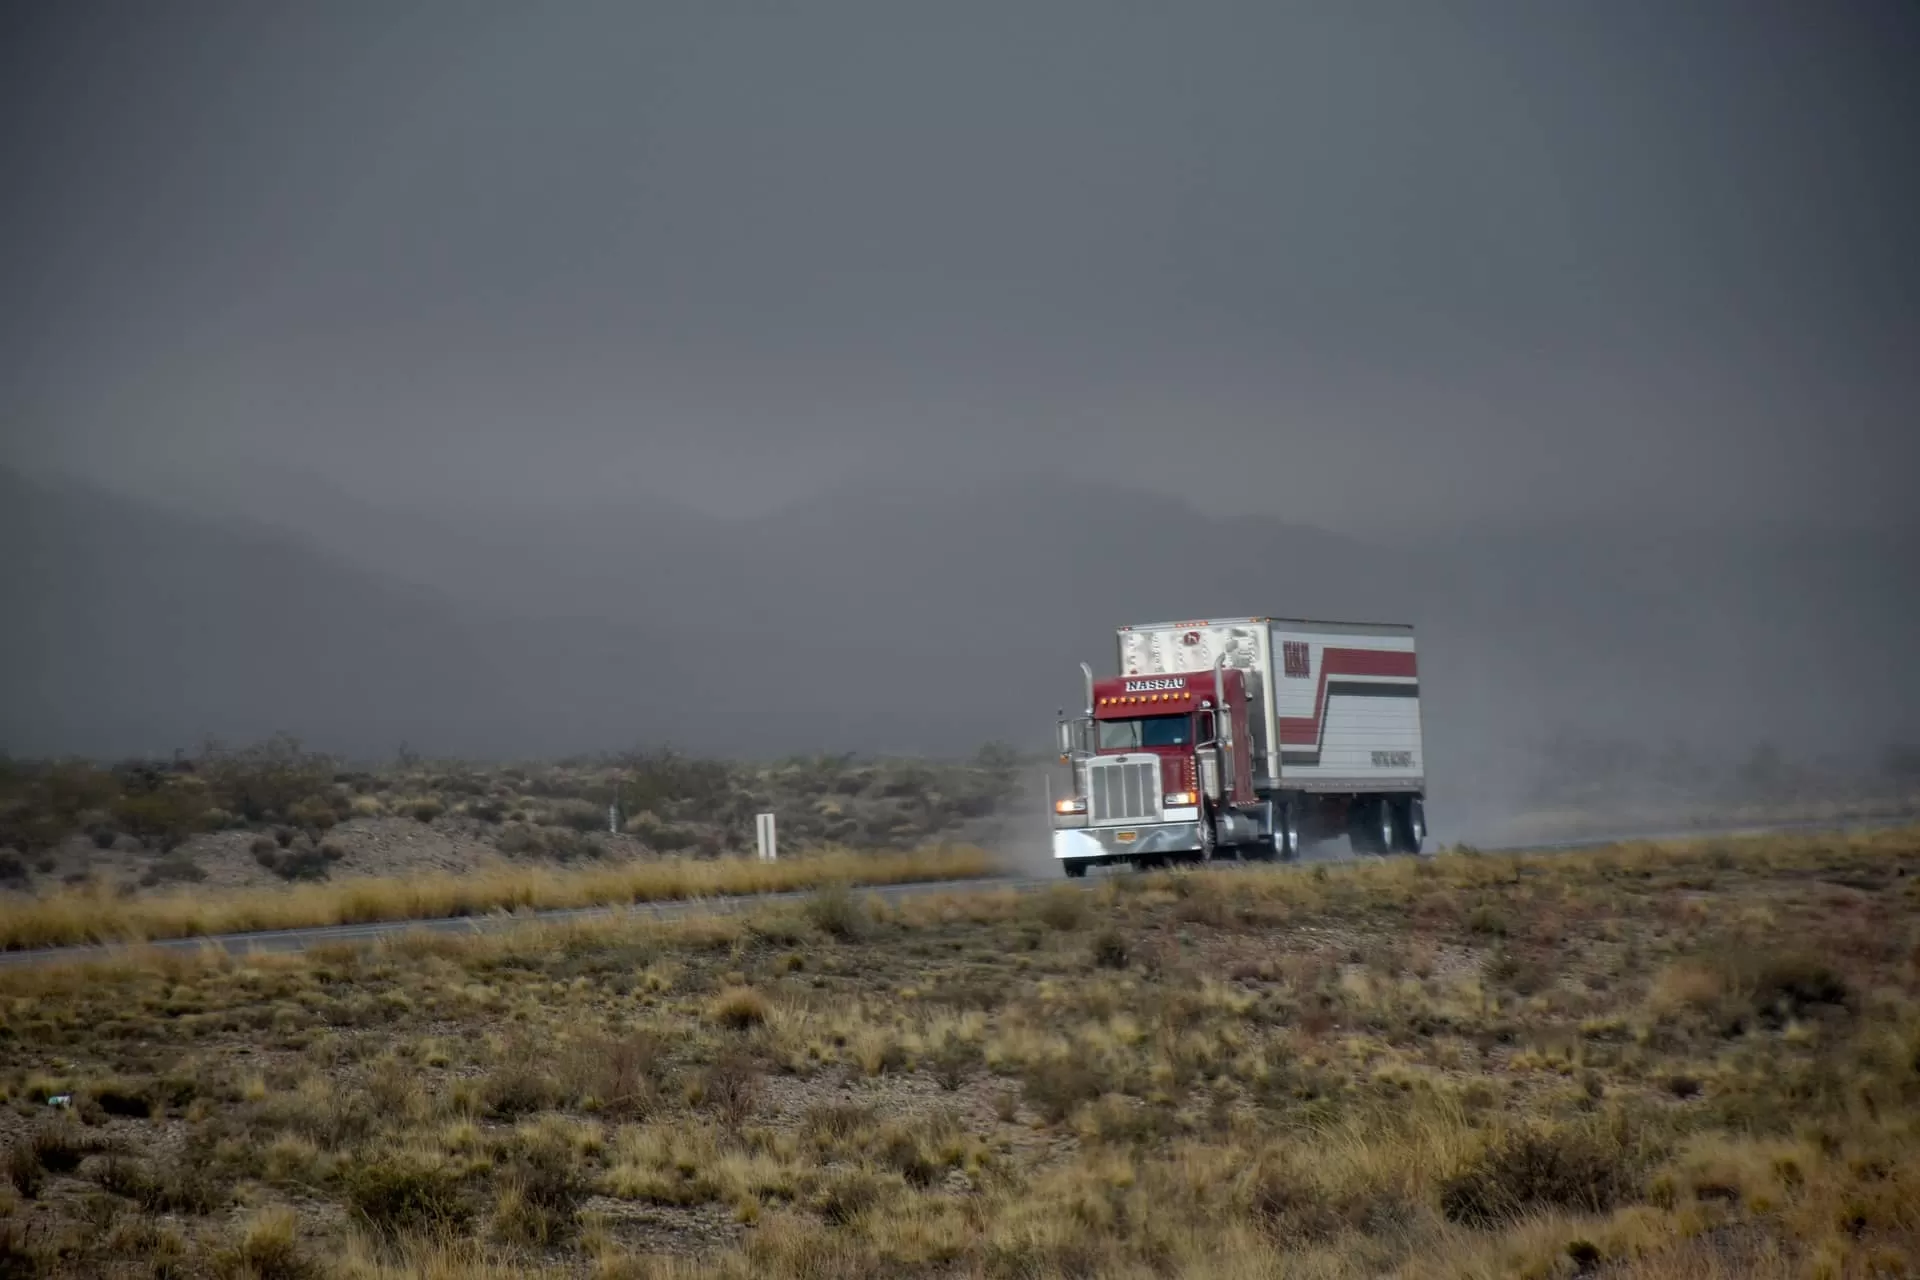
(1075, 868)
(1409, 824)
(1370, 826)
(1286, 833)
(1209, 841)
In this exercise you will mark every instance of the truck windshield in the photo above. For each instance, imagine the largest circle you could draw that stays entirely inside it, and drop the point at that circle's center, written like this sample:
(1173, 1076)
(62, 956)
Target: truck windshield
(1147, 731)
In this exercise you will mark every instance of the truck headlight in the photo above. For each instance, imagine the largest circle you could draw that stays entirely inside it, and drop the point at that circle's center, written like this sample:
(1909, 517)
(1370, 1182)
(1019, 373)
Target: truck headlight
(1070, 806)
(1178, 799)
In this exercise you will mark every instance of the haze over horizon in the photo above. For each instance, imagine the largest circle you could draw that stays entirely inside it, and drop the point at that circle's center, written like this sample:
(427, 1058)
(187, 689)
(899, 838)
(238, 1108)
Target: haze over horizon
(1397, 268)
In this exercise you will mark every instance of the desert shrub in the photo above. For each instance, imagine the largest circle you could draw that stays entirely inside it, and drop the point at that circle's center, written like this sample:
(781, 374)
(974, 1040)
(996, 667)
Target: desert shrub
(621, 1077)
(519, 1088)
(836, 912)
(668, 837)
(269, 1249)
(1055, 1086)
(12, 868)
(314, 813)
(103, 836)
(263, 783)
(407, 1193)
(901, 1150)
(730, 1087)
(308, 864)
(558, 843)
(61, 1147)
(122, 1176)
(542, 1189)
(657, 779)
(166, 815)
(24, 1169)
(1288, 1204)
(1737, 984)
(566, 846)
(1519, 972)
(424, 810)
(831, 1126)
(953, 1061)
(1063, 908)
(576, 815)
(1780, 986)
(845, 1196)
(738, 1009)
(121, 1099)
(516, 841)
(1579, 1170)
(486, 810)
(1110, 950)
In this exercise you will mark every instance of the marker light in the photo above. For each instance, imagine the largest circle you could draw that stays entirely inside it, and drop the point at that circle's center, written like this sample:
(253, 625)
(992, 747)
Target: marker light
(1070, 806)
(1179, 799)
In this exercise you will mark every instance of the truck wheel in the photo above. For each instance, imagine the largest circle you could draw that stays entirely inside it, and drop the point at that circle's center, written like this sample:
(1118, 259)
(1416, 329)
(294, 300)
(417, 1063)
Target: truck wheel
(1370, 826)
(1283, 840)
(1410, 824)
(1075, 869)
(1209, 841)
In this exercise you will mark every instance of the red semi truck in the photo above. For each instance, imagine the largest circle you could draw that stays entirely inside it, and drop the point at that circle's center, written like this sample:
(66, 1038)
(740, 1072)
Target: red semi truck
(1244, 736)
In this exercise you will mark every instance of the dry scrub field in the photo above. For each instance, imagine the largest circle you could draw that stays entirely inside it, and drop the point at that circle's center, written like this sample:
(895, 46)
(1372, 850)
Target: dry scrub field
(1687, 1061)
(97, 914)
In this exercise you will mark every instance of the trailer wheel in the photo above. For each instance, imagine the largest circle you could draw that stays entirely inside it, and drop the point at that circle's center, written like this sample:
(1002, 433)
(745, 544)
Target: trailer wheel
(1410, 824)
(1075, 868)
(1370, 826)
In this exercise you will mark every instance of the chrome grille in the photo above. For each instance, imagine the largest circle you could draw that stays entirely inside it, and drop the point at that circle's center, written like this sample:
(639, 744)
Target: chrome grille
(1123, 790)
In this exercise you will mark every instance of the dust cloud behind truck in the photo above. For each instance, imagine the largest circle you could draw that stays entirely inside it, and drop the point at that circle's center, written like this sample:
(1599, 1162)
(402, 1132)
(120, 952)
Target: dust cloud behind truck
(1245, 737)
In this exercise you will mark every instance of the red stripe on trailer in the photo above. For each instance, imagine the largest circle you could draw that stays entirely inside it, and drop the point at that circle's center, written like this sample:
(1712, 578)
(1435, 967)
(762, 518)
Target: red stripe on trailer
(1304, 731)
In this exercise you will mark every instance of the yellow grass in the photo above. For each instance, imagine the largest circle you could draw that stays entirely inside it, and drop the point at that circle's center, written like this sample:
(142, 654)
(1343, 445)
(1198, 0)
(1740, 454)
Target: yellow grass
(91, 915)
(1462, 1068)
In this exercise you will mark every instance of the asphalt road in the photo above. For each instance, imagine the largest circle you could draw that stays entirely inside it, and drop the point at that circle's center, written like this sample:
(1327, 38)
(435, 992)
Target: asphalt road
(284, 940)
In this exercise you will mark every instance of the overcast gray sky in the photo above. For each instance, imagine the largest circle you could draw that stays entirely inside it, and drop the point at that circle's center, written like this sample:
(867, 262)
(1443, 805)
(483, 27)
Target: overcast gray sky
(1350, 263)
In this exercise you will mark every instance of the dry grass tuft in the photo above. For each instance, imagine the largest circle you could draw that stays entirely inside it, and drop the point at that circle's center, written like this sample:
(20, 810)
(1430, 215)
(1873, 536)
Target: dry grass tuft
(738, 1009)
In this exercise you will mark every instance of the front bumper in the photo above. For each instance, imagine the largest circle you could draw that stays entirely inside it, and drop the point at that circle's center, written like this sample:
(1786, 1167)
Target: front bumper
(1106, 844)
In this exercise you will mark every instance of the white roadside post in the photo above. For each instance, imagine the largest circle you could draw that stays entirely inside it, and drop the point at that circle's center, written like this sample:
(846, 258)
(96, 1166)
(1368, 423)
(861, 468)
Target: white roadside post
(763, 826)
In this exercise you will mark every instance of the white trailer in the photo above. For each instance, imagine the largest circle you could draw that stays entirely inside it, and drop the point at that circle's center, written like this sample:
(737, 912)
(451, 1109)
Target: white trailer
(1333, 717)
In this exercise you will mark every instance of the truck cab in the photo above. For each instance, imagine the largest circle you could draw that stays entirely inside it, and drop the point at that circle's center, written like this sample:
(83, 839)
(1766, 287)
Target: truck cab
(1161, 766)
(1244, 735)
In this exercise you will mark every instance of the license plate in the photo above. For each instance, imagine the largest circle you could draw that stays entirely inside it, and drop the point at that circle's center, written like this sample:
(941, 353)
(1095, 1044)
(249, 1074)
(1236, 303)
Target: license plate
(1126, 837)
